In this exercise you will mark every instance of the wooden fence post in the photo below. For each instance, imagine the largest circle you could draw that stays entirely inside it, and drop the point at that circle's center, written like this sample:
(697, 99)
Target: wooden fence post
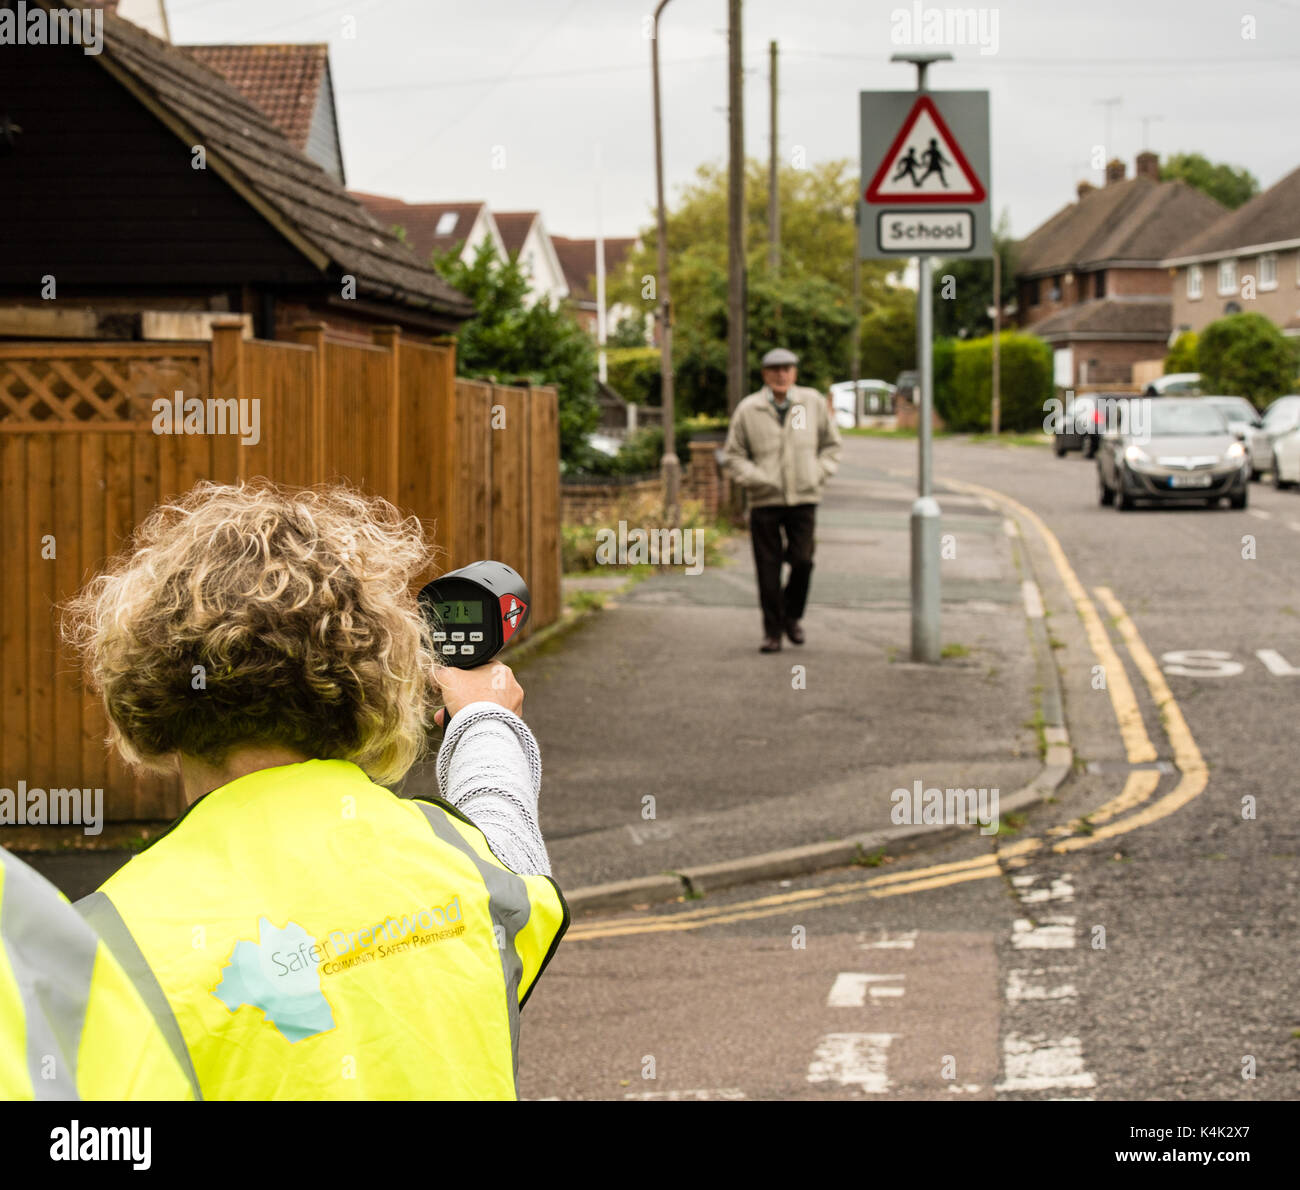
(312, 334)
(390, 338)
(227, 381)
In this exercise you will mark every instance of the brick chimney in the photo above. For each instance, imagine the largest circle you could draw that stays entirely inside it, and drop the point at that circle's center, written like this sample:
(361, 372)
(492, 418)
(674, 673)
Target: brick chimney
(1148, 165)
(1114, 171)
(1085, 188)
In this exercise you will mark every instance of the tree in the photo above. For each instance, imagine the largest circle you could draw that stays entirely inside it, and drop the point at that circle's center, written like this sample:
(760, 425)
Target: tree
(510, 340)
(1246, 354)
(961, 305)
(1230, 186)
(888, 336)
(805, 305)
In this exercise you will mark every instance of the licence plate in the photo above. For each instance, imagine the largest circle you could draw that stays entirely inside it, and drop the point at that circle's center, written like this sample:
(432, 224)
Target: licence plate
(1190, 481)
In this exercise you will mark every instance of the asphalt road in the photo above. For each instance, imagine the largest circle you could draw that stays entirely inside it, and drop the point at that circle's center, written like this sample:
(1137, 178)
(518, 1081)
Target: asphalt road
(1148, 953)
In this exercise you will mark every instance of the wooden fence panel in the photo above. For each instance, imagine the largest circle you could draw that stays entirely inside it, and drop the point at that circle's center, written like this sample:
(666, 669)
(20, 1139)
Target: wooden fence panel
(544, 504)
(360, 409)
(473, 474)
(279, 376)
(427, 444)
(510, 502)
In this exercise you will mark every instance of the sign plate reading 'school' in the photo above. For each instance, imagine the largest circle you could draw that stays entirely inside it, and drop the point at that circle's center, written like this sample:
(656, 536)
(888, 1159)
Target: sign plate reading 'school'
(925, 174)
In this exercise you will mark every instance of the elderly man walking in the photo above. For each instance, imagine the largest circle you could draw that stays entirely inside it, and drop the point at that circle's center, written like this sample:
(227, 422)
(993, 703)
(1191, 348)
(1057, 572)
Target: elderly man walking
(782, 446)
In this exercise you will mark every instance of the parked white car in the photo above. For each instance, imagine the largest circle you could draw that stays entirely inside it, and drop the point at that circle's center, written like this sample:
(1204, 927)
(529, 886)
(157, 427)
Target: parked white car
(1243, 418)
(1286, 458)
(877, 400)
(1176, 384)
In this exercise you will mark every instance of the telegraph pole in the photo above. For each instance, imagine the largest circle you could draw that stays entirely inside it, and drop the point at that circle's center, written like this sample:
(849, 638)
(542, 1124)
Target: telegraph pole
(736, 370)
(670, 466)
(773, 198)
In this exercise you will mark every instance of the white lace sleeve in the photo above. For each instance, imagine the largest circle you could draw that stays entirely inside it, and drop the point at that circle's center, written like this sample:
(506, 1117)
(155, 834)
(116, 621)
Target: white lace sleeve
(489, 768)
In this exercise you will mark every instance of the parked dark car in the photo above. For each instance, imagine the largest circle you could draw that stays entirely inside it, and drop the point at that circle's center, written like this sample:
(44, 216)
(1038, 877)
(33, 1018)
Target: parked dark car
(1081, 426)
(1168, 449)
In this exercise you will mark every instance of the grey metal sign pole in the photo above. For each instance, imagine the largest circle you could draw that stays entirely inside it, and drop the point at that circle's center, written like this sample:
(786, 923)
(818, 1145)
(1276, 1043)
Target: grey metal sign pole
(926, 639)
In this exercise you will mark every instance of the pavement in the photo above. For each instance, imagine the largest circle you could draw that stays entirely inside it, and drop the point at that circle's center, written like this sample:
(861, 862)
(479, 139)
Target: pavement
(677, 759)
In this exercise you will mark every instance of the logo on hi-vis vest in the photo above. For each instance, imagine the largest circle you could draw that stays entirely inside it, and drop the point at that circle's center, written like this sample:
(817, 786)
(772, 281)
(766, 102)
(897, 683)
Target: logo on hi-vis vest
(290, 996)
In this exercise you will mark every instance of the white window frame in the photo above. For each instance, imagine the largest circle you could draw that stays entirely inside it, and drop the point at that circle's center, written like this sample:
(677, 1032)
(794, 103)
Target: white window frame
(1195, 282)
(1265, 281)
(1228, 267)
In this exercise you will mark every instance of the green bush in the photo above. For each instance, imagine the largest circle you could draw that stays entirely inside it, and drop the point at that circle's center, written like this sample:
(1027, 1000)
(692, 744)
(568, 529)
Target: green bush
(944, 398)
(578, 541)
(1246, 355)
(1182, 355)
(633, 373)
(1026, 367)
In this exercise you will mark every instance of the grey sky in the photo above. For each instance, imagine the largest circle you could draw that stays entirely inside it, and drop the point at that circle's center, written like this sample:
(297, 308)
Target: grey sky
(430, 93)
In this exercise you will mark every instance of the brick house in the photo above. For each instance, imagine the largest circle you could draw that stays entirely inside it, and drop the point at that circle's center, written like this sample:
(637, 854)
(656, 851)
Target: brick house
(292, 85)
(1248, 260)
(526, 239)
(1092, 281)
(578, 260)
(194, 205)
(431, 227)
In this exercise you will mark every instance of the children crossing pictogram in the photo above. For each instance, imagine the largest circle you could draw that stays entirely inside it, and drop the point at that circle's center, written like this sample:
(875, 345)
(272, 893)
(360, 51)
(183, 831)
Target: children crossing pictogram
(925, 163)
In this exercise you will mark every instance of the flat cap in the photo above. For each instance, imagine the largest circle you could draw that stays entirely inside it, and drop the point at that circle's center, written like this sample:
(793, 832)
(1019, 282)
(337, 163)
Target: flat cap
(778, 356)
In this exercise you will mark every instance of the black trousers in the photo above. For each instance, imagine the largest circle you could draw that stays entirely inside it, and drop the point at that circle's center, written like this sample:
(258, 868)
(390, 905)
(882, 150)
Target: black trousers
(767, 526)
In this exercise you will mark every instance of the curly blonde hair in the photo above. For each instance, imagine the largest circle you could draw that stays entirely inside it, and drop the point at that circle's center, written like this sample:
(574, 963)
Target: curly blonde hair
(297, 604)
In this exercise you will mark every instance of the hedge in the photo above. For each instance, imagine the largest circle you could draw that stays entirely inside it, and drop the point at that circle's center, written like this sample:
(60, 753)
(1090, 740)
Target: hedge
(633, 373)
(963, 388)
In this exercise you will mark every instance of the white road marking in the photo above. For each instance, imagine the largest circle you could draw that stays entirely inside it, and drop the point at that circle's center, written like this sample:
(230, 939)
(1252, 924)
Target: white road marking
(1052, 933)
(1033, 600)
(1259, 512)
(1277, 665)
(884, 991)
(1023, 881)
(1024, 984)
(901, 940)
(1036, 1064)
(964, 1089)
(1061, 890)
(721, 1093)
(850, 989)
(853, 1058)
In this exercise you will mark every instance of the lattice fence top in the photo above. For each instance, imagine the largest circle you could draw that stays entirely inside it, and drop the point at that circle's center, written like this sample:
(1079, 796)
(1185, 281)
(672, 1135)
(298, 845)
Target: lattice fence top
(90, 388)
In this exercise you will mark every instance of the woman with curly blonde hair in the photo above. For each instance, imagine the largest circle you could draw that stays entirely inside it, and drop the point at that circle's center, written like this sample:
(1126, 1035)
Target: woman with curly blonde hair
(303, 931)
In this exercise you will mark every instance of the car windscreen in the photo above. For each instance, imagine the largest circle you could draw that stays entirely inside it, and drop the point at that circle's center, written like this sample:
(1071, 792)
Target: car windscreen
(1235, 410)
(1168, 418)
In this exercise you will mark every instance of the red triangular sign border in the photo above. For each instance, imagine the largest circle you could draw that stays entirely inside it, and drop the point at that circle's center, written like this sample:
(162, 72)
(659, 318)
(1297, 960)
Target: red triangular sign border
(926, 104)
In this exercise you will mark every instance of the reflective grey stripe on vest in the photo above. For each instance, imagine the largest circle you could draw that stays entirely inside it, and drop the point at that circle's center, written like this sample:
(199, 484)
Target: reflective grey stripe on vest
(99, 910)
(509, 908)
(52, 954)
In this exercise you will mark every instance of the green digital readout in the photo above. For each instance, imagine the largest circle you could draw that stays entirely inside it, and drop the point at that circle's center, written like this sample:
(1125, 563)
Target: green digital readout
(460, 611)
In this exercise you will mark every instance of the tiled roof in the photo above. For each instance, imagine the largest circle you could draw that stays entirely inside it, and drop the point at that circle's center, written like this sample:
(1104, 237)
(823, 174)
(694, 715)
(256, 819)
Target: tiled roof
(422, 220)
(1268, 218)
(1150, 316)
(203, 108)
(1136, 220)
(514, 227)
(283, 80)
(578, 260)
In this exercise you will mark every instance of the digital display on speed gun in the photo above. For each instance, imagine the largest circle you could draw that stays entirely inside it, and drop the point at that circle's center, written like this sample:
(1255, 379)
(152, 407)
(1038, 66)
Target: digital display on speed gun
(474, 612)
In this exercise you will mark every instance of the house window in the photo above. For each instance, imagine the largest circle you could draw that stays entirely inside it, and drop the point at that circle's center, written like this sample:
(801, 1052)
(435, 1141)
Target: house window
(1099, 285)
(1227, 276)
(1194, 281)
(1032, 297)
(1268, 270)
(446, 223)
(1054, 294)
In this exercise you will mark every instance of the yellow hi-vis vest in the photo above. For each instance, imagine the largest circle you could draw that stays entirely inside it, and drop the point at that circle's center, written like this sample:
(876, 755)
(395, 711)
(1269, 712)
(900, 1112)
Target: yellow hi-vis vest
(72, 1025)
(319, 937)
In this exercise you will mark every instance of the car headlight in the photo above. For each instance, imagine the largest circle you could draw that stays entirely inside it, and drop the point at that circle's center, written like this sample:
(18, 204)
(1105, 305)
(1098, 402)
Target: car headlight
(1135, 454)
(1236, 451)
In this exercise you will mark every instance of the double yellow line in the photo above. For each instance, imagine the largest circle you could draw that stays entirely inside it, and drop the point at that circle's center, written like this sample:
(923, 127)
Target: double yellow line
(1139, 787)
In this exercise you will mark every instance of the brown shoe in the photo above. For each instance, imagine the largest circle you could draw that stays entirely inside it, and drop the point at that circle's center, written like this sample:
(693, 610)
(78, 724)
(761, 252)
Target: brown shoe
(771, 644)
(794, 632)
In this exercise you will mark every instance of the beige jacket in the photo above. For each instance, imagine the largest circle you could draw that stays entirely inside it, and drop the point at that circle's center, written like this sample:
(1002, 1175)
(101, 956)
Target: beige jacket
(779, 464)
